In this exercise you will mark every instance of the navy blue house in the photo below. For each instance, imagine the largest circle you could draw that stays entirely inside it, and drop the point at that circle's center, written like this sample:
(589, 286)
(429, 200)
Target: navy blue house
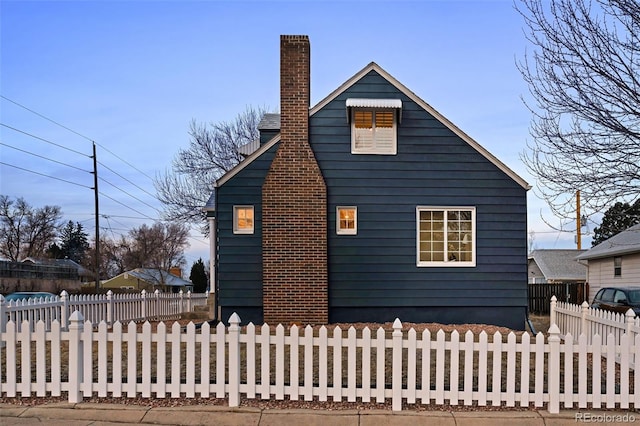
(369, 206)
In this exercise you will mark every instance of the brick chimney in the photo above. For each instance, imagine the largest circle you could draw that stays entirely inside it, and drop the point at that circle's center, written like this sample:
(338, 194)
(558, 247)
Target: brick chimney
(294, 205)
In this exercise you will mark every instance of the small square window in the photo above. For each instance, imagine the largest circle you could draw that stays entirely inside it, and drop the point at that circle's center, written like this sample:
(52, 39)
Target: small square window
(373, 132)
(243, 219)
(617, 266)
(347, 221)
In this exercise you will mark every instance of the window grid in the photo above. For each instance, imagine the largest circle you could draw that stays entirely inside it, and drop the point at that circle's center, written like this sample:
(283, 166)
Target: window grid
(446, 236)
(347, 220)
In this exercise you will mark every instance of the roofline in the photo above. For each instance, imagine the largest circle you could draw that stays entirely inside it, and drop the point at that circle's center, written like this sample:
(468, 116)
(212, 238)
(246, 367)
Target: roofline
(608, 253)
(350, 82)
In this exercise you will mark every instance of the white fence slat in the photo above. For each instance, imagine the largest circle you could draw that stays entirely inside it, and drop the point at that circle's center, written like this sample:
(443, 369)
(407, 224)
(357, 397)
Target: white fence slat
(323, 345)
(87, 368)
(56, 359)
(525, 366)
(483, 350)
(102, 338)
(411, 366)
(250, 339)
(596, 372)
(221, 360)
(161, 361)
(425, 346)
(496, 369)
(352, 365)
(146, 359)
(41, 359)
(337, 364)
(454, 370)
(611, 372)
(396, 366)
(366, 364)
(190, 361)
(467, 393)
(636, 377)
(234, 359)
(582, 371)
(380, 365)
(10, 387)
(440, 367)
(567, 350)
(176, 361)
(294, 363)
(117, 359)
(539, 370)
(511, 370)
(624, 371)
(132, 360)
(24, 337)
(205, 361)
(279, 343)
(265, 369)
(307, 342)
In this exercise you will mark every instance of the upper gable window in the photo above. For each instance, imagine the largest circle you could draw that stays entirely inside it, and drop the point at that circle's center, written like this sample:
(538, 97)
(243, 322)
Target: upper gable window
(374, 125)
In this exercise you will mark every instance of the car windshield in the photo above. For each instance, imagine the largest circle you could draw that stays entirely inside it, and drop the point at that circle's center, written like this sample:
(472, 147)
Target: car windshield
(634, 296)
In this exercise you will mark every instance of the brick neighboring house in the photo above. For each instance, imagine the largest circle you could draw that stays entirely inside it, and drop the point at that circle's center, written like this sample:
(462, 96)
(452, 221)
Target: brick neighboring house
(369, 206)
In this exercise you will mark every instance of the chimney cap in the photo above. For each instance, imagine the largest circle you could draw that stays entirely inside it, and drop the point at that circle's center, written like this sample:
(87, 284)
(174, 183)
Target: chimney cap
(289, 37)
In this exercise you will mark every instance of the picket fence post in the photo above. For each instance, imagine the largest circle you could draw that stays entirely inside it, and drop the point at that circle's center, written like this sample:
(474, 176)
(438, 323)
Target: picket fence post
(158, 309)
(630, 315)
(143, 305)
(181, 296)
(76, 357)
(396, 370)
(583, 317)
(553, 372)
(552, 310)
(234, 360)
(110, 308)
(64, 310)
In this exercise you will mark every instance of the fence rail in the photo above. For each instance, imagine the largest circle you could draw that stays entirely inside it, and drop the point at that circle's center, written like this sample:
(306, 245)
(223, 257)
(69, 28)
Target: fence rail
(306, 363)
(110, 307)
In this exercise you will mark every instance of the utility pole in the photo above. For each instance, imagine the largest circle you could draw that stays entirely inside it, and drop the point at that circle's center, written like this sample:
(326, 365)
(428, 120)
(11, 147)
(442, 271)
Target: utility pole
(578, 222)
(95, 192)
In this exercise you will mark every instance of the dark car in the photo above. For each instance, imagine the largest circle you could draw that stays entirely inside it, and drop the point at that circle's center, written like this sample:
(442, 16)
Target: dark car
(22, 295)
(618, 299)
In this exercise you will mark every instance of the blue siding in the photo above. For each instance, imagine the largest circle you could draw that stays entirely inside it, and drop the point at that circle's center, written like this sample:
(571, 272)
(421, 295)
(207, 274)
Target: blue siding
(375, 270)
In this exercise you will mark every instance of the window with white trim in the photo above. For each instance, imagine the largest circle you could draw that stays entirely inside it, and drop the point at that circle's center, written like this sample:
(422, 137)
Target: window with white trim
(243, 220)
(347, 220)
(446, 236)
(617, 266)
(373, 131)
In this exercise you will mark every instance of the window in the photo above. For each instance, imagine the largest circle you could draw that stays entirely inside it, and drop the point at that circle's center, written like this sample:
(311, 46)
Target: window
(373, 131)
(243, 219)
(446, 236)
(617, 266)
(347, 221)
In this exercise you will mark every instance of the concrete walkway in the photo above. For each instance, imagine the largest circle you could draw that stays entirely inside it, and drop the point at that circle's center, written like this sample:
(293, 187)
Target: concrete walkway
(84, 414)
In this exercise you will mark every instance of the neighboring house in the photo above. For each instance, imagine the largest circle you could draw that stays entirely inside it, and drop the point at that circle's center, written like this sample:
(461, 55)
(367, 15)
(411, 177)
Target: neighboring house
(556, 266)
(83, 273)
(148, 279)
(370, 206)
(614, 262)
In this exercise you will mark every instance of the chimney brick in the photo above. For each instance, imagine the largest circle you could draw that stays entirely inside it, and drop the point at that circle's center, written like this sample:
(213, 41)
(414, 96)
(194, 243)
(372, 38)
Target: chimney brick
(294, 205)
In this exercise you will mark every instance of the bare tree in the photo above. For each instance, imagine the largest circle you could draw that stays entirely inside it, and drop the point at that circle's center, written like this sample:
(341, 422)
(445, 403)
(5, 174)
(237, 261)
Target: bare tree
(25, 231)
(213, 150)
(584, 78)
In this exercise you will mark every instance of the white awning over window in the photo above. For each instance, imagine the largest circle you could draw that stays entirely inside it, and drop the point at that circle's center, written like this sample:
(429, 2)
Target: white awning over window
(374, 103)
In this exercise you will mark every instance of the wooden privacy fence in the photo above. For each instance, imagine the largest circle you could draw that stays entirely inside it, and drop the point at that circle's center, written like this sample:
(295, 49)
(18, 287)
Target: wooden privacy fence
(95, 308)
(539, 294)
(316, 364)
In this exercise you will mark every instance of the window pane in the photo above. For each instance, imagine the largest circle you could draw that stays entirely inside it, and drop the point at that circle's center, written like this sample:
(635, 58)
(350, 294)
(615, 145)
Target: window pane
(384, 119)
(363, 119)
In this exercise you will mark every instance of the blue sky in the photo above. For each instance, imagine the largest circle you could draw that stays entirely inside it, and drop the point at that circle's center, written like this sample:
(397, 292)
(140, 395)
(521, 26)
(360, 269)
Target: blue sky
(131, 75)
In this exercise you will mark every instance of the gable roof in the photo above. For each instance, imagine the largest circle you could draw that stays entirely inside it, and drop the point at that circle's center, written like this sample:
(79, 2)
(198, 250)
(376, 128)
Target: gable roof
(559, 264)
(359, 75)
(626, 242)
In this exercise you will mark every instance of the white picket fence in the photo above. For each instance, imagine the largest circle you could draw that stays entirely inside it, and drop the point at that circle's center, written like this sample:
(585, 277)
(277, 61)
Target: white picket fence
(109, 307)
(306, 364)
(583, 319)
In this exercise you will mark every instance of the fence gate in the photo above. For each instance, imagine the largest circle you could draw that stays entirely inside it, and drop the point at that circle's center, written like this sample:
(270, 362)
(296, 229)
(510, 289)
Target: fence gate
(540, 295)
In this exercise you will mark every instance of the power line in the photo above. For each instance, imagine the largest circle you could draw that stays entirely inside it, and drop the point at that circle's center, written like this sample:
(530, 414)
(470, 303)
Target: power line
(42, 174)
(43, 139)
(43, 157)
(125, 192)
(124, 178)
(125, 161)
(46, 118)
(128, 207)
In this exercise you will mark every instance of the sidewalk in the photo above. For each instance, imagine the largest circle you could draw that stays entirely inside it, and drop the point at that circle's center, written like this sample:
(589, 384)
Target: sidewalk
(63, 414)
